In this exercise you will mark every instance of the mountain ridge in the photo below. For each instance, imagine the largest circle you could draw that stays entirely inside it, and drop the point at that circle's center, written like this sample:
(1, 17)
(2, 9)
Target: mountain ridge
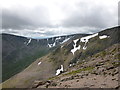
(62, 55)
(19, 52)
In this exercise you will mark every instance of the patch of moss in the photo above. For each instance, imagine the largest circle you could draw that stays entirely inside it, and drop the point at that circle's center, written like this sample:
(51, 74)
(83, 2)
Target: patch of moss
(113, 50)
(80, 70)
(117, 56)
(52, 78)
(103, 53)
(116, 63)
(97, 55)
(52, 59)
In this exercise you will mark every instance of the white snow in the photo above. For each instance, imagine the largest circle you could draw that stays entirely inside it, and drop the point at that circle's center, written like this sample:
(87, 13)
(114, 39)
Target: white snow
(65, 40)
(86, 39)
(62, 46)
(29, 41)
(58, 38)
(75, 41)
(49, 45)
(39, 63)
(103, 37)
(54, 44)
(59, 70)
(84, 47)
(70, 65)
(75, 49)
(75, 46)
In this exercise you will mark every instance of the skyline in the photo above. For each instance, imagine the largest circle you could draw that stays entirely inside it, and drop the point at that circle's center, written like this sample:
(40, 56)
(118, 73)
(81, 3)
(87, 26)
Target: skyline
(38, 18)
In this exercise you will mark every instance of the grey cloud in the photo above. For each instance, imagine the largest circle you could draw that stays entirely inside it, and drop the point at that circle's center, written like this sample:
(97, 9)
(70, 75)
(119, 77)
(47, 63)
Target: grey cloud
(85, 18)
(11, 20)
(119, 13)
(93, 16)
(22, 18)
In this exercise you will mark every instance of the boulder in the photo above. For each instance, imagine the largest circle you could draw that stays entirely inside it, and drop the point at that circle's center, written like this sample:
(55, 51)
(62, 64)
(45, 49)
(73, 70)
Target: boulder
(38, 83)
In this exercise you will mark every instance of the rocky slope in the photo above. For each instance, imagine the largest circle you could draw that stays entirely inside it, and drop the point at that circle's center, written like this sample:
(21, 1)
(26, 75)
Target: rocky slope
(72, 55)
(98, 71)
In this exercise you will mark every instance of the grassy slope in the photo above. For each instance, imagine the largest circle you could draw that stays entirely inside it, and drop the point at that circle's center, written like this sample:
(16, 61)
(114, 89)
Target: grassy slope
(15, 67)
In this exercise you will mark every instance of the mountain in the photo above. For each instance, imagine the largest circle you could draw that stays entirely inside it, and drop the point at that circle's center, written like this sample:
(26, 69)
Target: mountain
(81, 53)
(19, 52)
(97, 71)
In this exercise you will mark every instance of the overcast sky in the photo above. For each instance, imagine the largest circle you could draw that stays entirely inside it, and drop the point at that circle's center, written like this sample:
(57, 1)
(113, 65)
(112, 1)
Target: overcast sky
(44, 18)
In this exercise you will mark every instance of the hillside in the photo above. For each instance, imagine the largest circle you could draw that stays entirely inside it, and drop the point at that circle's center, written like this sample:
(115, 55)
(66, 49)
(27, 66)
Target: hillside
(19, 52)
(71, 55)
(98, 71)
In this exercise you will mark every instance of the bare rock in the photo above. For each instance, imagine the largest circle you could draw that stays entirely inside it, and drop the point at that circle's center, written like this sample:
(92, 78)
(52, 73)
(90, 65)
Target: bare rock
(110, 67)
(38, 83)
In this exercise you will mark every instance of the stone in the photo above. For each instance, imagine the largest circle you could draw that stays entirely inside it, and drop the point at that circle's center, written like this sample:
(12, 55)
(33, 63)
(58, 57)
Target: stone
(117, 87)
(38, 83)
(103, 84)
(53, 84)
(113, 78)
(92, 85)
(77, 81)
(110, 67)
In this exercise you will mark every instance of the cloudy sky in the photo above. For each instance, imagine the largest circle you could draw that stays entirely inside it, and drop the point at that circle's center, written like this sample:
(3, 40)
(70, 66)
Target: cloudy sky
(45, 18)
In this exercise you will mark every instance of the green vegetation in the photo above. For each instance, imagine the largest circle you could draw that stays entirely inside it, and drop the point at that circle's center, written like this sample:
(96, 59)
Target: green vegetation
(80, 70)
(52, 78)
(114, 50)
(15, 67)
(103, 53)
(116, 63)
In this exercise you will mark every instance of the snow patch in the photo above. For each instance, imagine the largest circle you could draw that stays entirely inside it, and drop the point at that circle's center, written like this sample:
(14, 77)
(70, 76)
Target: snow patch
(65, 40)
(75, 49)
(54, 44)
(103, 37)
(58, 38)
(39, 63)
(29, 41)
(70, 65)
(75, 46)
(86, 39)
(62, 46)
(84, 47)
(51, 45)
(75, 41)
(59, 70)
